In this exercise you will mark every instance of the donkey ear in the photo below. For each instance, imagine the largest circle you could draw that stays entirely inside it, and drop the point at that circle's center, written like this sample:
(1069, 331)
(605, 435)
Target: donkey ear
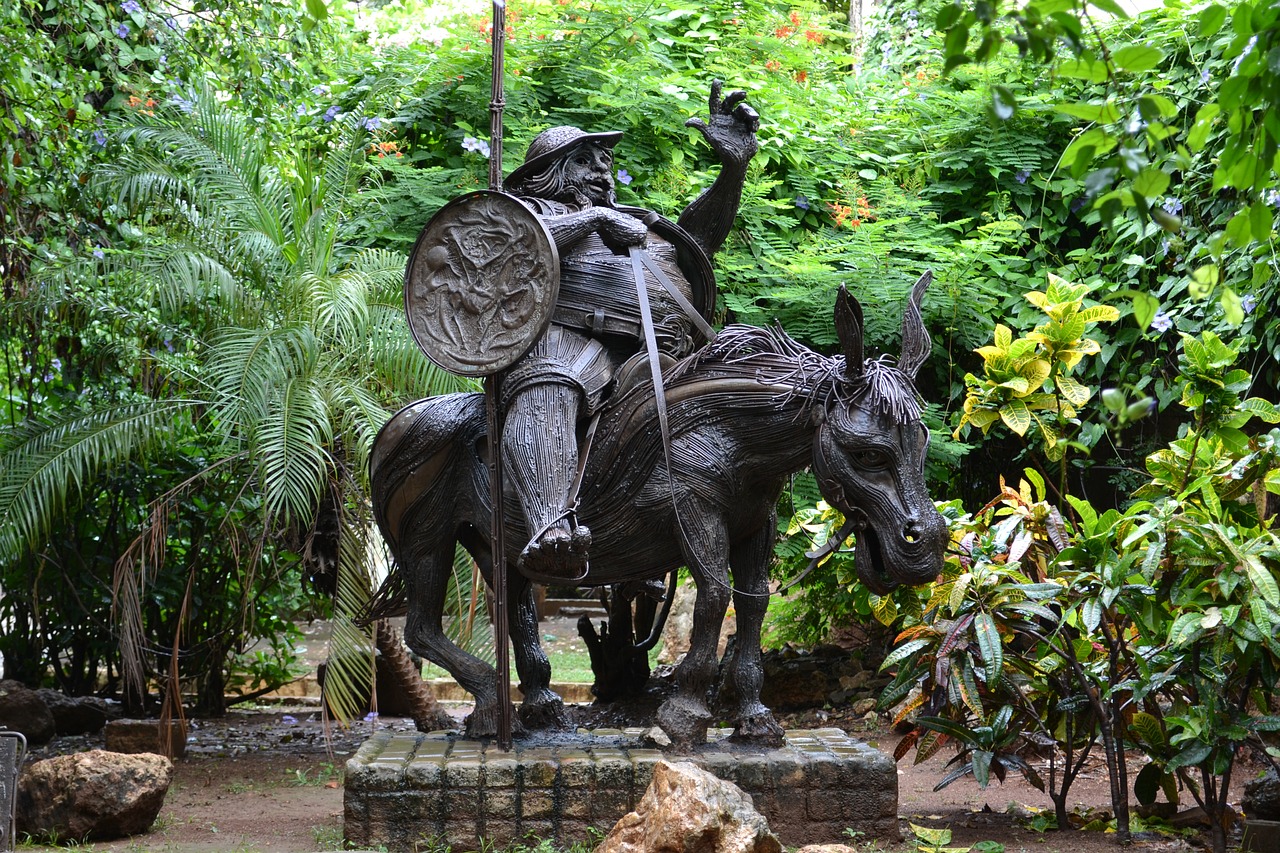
(849, 330)
(916, 346)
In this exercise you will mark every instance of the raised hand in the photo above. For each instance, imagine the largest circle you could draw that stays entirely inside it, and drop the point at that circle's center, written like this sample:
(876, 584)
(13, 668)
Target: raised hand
(732, 128)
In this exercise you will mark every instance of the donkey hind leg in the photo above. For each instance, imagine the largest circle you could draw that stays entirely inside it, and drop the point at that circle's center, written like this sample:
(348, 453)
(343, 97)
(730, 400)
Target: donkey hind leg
(684, 716)
(542, 707)
(750, 560)
(427, 580)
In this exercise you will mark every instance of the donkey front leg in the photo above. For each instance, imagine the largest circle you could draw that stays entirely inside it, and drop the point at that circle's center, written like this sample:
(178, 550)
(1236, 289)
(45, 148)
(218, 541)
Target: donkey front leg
(542, 707)
(750, 559)
(426, 578)
(684, 717)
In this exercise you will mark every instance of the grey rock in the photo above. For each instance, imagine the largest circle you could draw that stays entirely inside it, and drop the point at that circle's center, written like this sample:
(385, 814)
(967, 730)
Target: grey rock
(1262, 796)
(75, 715)
(22, 710)
(687, 810)
(92, 795)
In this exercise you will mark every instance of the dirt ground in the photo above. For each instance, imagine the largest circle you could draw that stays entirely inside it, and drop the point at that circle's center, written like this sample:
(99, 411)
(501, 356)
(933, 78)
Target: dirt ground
(271, 780)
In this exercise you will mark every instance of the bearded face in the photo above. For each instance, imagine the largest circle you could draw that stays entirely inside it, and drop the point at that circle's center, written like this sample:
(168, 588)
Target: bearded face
(588, 169)
(582, 178)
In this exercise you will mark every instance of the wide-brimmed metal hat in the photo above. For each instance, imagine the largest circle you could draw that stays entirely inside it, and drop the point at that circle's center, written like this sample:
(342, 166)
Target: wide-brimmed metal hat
(553, 143)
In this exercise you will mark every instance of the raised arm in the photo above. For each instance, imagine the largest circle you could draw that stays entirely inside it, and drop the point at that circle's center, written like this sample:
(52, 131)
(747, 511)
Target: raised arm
(731, 132)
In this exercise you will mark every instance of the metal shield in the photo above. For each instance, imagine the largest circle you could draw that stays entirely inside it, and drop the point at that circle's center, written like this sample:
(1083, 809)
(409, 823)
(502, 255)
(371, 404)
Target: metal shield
(481, 283)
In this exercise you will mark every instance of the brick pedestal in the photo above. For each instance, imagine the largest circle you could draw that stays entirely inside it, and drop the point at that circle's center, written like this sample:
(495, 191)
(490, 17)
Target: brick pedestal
(405, 789)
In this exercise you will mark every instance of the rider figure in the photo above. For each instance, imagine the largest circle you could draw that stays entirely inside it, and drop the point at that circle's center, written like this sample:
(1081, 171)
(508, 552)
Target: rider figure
(568, 179)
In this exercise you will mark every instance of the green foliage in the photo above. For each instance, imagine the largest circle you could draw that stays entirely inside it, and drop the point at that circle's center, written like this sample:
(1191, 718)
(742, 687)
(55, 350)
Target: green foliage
(1028, 381)
(1153, 628)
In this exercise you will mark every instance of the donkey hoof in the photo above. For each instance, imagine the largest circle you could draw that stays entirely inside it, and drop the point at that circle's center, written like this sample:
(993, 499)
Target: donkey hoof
(759, 730)
(482, 723)
(685, 722)
(544, 713)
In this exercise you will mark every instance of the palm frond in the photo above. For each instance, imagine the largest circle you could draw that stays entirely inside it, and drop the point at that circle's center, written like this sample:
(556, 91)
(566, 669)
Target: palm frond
(290, 448)
(45, 465)
(349, 669)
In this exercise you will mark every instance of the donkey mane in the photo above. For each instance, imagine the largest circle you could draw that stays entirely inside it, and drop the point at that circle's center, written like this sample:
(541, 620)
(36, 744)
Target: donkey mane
(772, 358)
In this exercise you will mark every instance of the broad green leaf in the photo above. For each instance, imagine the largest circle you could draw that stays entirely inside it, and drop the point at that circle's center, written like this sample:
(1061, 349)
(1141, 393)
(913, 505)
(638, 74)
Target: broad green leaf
(1091, 614)
(1232, 309)
(1203, 280)
(1185, 630)
(1137, 58)
(1211, 20)
(1016, 416)
(317, 9)
(1145, 307)
(1199, 132)
(989, 645)
(1263, 581)
(1094, 71)
(1071, 389)
(1151, 183)
(1260, 408)
(1240, 229)
(1090, 112)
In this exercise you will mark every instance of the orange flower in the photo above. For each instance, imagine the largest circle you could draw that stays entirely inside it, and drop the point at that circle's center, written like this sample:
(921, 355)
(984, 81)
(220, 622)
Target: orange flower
(802, 76)
(814, 36)
(784, 32)
(773, 65)
(795, 18)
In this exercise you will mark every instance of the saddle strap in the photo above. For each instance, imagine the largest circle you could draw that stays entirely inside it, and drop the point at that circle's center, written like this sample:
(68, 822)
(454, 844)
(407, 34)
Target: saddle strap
(708, 333)
(638, 257)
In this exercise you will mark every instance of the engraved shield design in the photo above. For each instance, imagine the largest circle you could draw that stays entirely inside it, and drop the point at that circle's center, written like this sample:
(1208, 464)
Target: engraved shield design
(481, 283)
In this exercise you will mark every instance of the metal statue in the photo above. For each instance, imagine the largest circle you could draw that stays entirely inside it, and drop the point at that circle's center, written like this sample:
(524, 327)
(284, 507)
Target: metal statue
(741, 414)
(612, 261)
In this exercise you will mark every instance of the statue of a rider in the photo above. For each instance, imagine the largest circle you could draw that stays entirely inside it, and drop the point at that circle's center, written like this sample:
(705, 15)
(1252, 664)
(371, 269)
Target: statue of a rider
(567, 178)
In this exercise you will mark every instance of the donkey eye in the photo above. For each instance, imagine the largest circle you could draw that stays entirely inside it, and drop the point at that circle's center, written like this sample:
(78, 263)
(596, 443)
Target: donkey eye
(872, 459)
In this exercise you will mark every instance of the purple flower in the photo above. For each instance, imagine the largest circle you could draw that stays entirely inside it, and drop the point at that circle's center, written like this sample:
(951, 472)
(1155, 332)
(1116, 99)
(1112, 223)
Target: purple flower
(99, 139)
(624, 177)
(171, 23)
(289, 720)
(479, 146)
(183, 104)
(1162, 322)
(371, 716)
(1272, 197)
(320, 90)
(56, 362)
(168, 344)
(801, 203)
(1022, 176)
(130, 6)
(301, 110)
(123, 31)
(332, 113)
(372, 123)
(98, 253)
(1204, 77)
(1248, 302)
(1172, 206)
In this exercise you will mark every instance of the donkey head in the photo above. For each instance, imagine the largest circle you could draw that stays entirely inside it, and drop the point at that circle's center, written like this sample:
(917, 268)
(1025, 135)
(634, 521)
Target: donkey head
(870, 450)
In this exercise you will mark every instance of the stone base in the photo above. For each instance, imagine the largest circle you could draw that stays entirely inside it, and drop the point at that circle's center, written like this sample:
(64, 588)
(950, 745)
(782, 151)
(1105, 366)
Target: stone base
(406, 789)
(1260, 836)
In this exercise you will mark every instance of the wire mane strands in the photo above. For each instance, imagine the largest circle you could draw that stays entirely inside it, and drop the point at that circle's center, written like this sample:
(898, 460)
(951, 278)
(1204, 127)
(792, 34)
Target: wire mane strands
(773, 357)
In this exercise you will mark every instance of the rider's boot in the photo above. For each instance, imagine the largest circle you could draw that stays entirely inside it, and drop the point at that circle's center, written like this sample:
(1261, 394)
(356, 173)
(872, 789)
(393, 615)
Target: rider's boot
(540, 450)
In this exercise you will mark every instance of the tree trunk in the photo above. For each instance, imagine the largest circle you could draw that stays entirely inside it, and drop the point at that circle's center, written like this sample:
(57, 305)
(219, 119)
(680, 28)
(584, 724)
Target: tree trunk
(426, 712)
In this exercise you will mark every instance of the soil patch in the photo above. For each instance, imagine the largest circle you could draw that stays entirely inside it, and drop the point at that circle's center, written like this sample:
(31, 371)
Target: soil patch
(272, 781)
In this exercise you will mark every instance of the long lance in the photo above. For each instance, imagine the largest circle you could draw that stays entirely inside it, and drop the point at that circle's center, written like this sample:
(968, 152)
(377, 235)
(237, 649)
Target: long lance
(492, 383)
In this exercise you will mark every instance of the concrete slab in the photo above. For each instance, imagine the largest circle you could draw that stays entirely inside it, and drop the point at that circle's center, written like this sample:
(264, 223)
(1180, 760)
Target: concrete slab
(406, 789)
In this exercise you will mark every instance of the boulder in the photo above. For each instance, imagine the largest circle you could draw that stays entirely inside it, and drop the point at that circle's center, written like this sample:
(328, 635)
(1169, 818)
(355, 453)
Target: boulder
(1262, 796)
(679, 626)
(22, 710)
(136, 736)
(687, 810)
(78, 715)
(92, 795)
